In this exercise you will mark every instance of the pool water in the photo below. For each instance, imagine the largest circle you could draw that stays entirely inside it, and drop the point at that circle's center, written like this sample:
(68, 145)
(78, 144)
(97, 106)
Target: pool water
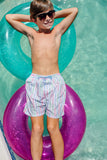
(86, 73)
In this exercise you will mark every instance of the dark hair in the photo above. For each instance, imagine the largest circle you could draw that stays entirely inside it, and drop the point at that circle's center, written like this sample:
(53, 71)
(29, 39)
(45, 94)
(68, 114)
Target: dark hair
(38, 6)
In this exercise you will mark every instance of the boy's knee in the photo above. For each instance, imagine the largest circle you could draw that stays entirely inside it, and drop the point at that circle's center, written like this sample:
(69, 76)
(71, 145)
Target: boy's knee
(37, 130)
(52, 129)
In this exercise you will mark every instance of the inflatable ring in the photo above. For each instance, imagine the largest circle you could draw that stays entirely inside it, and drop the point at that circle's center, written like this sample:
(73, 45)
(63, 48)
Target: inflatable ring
(17, 131)
(12, 55)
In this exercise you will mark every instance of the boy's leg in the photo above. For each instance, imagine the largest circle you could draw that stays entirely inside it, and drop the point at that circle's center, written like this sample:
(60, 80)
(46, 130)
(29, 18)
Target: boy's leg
(56, 138)
(36, 137)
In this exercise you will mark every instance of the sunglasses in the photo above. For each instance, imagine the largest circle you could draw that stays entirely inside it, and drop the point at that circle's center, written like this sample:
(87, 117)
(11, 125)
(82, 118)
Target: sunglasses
(42, 16)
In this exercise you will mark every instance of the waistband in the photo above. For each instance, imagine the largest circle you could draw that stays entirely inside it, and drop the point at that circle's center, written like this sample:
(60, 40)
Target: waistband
(56, 74)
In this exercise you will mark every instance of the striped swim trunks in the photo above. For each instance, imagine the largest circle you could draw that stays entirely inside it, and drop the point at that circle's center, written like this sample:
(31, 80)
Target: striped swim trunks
(45, 94)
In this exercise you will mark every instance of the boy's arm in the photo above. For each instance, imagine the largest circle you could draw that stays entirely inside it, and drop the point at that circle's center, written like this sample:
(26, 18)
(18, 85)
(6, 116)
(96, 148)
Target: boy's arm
(69, 14)
(16, 20)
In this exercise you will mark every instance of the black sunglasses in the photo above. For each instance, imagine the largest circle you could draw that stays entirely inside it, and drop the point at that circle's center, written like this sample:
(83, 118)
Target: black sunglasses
(42, 16)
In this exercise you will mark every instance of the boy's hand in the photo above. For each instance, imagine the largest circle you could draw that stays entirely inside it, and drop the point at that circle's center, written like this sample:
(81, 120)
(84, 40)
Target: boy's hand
(69, 14)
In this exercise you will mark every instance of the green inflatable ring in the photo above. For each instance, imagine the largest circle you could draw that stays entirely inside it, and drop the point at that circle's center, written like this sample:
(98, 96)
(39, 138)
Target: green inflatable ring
(12, 55)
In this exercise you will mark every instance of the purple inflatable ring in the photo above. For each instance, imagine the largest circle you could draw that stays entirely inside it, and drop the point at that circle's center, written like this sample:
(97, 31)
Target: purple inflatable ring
(17, 132)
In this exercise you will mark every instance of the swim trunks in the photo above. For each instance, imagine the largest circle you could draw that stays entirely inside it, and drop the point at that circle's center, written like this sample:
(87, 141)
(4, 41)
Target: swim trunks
(45, 94)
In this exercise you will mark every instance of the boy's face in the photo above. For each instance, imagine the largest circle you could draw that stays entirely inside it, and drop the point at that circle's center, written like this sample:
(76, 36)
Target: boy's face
(45, 19)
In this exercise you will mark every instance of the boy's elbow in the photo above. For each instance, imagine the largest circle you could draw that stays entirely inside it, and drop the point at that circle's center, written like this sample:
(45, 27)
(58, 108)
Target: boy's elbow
(8, 17)
(76, 10)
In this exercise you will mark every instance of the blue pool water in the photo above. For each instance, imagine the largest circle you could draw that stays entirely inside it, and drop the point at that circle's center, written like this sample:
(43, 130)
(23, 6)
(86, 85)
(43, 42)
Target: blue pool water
(86, 73)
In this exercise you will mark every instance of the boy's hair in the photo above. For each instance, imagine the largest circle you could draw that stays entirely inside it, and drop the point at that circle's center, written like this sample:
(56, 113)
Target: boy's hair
(38, 6)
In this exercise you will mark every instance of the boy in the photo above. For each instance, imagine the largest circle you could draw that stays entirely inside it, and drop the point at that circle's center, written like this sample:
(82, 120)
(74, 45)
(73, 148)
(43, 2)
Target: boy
(45, 87)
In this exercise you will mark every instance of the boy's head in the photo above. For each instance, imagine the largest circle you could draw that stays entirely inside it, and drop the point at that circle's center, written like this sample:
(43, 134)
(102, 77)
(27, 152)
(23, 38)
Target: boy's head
(42, 13)
(39, 6)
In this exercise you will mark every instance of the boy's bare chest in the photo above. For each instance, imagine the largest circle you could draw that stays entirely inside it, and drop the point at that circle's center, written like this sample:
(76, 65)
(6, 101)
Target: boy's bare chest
(45, 42)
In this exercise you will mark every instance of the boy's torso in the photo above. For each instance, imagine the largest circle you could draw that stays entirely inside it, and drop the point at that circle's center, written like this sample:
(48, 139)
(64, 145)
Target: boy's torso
(45, 48)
